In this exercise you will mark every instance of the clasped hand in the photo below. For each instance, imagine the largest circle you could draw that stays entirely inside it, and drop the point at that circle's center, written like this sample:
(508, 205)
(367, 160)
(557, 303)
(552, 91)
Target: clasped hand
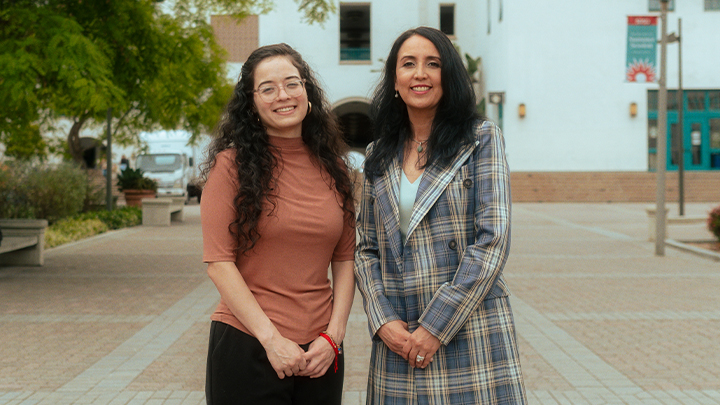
(288, 358)
(398, 338)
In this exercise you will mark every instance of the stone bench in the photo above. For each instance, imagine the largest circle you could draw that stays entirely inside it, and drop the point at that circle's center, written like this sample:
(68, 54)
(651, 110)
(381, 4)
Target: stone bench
(670, 220)
(23, 242)
(161, 211)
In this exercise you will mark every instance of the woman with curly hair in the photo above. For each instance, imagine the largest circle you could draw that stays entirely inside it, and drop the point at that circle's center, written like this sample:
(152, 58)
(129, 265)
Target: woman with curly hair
(277, 211)
(434, 235)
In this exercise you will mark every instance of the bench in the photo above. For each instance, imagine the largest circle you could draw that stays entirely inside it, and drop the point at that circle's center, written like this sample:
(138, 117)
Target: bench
(670, 220)
(23, 242)
(161, 211)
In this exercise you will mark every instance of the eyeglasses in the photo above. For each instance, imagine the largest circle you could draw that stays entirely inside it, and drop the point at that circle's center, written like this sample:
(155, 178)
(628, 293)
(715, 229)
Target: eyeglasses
(270, 92)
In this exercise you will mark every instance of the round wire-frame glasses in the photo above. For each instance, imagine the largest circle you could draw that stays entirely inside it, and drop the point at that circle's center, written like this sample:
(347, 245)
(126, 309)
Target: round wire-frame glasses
(269, 92)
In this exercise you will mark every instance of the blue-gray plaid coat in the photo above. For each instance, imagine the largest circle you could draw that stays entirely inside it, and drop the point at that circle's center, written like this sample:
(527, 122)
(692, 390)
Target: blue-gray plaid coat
(447, 278)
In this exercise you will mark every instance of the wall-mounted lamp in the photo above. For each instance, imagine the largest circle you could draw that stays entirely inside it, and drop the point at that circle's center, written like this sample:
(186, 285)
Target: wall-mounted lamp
(521, 110)
(633, 109)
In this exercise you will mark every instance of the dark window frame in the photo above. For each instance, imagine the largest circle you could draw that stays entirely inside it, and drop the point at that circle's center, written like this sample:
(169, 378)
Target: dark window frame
(447, 17)
(654, 5)
(712, 5)
(355, 38)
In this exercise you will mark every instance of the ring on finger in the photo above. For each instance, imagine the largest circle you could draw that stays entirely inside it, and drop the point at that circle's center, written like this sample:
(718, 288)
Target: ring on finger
(419, 359)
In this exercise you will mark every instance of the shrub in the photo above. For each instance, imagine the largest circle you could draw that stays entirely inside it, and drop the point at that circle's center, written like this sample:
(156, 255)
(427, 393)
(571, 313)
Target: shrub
(89, 224)
(72, 229)
(713, 222)
(30, 190)
(13, 201)
(116, 219)
(57, 192)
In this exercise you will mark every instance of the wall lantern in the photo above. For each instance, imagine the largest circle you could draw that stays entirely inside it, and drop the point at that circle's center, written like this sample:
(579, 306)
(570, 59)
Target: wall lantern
(521, 110)
(633, 109)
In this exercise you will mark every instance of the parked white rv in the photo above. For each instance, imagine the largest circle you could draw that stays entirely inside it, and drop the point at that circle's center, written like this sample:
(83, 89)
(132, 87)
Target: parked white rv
(172, 162)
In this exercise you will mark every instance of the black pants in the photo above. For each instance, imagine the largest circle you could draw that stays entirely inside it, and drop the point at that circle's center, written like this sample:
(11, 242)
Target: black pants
(239, 372)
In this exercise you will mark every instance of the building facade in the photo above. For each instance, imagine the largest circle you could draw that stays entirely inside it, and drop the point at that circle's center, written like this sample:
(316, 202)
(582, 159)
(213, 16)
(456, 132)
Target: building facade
(552, 75)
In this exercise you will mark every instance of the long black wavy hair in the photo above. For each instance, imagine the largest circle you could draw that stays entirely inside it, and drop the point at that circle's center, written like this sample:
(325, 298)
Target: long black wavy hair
(454, 117)
(240, 128)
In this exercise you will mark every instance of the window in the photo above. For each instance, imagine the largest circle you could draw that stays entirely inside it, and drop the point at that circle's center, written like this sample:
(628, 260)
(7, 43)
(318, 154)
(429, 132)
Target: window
(654, 5)
(695, 100)
(447, 19)
(712, 5)
(354, 32)
(714, 100)
(672, 100)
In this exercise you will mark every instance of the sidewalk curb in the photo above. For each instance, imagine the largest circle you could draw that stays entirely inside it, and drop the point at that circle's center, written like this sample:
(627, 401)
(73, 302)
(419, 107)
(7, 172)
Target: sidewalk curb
(692, 249)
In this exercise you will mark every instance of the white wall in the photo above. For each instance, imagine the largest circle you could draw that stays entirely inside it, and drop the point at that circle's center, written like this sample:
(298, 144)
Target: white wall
(565, 62)
(320, 45)
(564, 59)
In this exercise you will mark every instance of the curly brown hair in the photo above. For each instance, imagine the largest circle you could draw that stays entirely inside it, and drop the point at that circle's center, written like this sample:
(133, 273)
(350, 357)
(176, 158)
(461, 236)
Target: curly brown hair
(241, 129)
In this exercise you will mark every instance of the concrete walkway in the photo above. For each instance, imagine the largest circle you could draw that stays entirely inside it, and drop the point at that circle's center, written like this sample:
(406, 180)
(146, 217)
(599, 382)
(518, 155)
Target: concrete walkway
(122, 318)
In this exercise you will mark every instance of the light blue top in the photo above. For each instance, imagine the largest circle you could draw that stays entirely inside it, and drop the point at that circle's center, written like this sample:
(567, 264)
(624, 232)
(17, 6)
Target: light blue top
(408, 192)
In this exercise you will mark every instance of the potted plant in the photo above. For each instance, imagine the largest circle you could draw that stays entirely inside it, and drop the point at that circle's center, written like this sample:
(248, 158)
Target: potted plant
(135, 186)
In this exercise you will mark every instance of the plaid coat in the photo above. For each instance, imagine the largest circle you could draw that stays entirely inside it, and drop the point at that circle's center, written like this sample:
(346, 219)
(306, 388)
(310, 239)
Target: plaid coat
(447, 278)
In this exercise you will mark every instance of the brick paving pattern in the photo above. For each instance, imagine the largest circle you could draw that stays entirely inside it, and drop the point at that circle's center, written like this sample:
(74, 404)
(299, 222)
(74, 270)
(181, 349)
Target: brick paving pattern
(122, 318)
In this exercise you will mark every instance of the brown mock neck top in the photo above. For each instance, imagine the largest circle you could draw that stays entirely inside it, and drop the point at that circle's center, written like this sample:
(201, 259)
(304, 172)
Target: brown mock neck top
(287, 271)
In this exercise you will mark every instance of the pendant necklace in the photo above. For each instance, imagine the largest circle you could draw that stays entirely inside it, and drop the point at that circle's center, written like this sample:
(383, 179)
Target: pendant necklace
(420, 143)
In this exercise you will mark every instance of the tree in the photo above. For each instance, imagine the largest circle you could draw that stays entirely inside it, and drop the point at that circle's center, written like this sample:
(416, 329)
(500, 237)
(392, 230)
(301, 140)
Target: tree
(75, 59)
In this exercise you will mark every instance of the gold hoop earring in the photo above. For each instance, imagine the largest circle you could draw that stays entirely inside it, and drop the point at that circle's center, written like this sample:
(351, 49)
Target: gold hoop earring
(309, 107)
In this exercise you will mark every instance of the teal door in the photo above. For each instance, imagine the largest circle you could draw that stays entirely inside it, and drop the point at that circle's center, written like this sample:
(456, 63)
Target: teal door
(700, 138)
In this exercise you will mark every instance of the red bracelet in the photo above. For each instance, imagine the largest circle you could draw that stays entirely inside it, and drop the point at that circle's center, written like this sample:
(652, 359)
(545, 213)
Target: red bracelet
(335, 347)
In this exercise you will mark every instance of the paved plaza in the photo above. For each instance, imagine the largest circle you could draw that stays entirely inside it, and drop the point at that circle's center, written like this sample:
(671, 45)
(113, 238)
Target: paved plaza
(122, 318)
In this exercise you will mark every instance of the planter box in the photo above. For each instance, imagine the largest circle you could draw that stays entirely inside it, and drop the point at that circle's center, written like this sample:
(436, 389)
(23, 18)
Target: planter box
(133, 198)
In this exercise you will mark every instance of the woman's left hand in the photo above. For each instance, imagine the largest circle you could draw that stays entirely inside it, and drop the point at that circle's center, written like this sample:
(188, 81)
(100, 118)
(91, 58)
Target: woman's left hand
(320, 356)
(421, 343)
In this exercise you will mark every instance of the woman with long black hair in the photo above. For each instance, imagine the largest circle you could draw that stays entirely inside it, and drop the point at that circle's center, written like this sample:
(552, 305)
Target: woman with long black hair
(434, 235)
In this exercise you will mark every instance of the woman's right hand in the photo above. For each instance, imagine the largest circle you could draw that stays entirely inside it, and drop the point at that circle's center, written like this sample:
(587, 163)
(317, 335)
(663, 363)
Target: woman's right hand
(285, 356)
(395, 334)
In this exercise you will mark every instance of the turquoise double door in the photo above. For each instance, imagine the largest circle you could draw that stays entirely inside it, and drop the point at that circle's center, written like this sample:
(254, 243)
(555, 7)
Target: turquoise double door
(699, 141)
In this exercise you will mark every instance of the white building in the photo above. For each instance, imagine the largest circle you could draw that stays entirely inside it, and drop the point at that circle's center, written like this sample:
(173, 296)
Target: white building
(563, 61)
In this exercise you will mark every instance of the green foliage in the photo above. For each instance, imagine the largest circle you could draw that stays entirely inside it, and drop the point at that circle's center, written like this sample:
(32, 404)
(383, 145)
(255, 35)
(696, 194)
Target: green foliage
(116, 219)
(474, 69)
(480, 107)
(13, 201)
(56, 191)
(316, 10)
(473, 65)
(49, 68)
(152, 64)
(134, 179)
(29, 190)
(713, 222)
(70, 230)
(24, 142)
(96, 195)
(91, 223)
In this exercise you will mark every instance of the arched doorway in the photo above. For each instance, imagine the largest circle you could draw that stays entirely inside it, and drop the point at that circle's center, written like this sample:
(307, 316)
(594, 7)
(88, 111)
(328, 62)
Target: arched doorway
(354, 118)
